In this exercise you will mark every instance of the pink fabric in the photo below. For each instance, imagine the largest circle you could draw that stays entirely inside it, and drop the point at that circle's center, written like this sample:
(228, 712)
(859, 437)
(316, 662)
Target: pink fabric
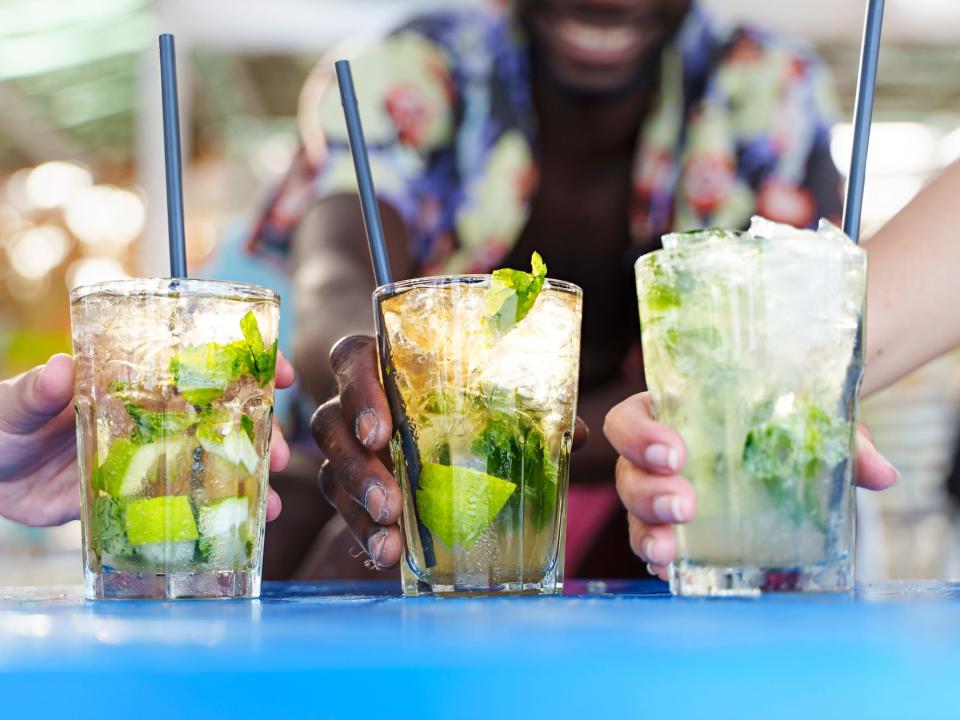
(589, 507)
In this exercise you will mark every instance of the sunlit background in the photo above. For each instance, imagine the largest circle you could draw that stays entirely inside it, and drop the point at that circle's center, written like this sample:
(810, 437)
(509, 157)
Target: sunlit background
(81, 188)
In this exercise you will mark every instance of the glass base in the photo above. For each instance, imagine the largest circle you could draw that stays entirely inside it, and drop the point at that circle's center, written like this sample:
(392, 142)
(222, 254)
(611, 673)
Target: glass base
(695, 579)
(550, 584)
(170, 586)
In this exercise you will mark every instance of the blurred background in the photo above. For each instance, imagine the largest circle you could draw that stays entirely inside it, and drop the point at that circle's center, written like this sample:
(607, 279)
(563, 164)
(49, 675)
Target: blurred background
(81, 190)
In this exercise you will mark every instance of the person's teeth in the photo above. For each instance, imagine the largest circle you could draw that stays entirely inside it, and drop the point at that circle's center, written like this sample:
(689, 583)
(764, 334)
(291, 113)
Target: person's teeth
(595, 38)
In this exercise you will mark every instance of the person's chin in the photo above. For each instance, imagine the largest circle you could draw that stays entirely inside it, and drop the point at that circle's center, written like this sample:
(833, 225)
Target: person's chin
(596, 82)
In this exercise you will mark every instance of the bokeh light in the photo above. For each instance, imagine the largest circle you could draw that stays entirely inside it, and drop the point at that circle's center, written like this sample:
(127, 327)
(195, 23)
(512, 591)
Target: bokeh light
(35, 251)
(17, 190)
(87, 271)
(52, 184)
(105, 217)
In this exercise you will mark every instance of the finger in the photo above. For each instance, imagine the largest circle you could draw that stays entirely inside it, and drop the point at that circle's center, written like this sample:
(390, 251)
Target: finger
(655, 544)
(382, 543)
(30, 400)
(630, 428)
(872, 470)
(359, 472)
(661, 571)
(581, 433)
(354, 361)
(274, 505)
(285, 374)
(279, 449)
(654, 498)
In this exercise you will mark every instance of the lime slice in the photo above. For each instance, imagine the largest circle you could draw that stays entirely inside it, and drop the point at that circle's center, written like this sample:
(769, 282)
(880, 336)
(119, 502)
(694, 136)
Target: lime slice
(129, 466)
(168, 518)
(457, 503)
(235, 448)
(224, 540)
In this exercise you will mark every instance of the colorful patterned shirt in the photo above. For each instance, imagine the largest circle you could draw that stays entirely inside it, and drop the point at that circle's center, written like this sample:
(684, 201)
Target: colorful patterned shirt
(740, 126)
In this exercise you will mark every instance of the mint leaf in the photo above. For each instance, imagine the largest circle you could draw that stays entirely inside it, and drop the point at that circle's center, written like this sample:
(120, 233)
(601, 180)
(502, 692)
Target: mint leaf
(789, 455)
(264, 360)
(251, 333)
(150, 426)
(512, 293)
(108, 531)
(247, 425)
(515, 448)
(267, 364)
(203, 372)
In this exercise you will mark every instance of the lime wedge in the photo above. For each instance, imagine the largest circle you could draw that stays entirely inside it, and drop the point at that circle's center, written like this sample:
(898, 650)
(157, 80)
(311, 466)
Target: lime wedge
(457, 503)
(236, 448)
(129, 466)
(168, 518)
(224, 539)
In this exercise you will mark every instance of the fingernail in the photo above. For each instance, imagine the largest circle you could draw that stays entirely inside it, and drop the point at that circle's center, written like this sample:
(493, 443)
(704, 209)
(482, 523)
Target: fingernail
(38, 381)
(669, 508)
(651, 569)
(366, 426)
(663, 456)
(375, 545)
(896, 473)
(647, 547)
(372, 492)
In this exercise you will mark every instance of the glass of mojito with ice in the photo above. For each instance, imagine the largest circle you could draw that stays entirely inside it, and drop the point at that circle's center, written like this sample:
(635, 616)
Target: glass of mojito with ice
(752, 347)
(174, 401)
(481, 372)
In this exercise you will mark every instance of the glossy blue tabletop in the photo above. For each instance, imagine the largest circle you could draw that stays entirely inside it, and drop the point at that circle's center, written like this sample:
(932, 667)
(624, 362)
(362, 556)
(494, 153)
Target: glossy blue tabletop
(358, 650)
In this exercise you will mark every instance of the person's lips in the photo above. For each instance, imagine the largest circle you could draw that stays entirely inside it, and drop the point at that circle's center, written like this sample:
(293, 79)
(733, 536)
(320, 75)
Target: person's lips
(595, 44)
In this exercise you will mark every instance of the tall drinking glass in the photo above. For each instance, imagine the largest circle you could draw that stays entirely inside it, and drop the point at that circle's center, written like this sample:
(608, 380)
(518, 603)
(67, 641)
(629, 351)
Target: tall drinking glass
(484, 412)
(752, 350)
(174, 400)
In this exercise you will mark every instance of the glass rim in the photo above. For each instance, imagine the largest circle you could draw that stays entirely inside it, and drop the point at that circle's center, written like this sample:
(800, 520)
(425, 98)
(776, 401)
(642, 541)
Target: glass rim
(175, 287)
(434, 281)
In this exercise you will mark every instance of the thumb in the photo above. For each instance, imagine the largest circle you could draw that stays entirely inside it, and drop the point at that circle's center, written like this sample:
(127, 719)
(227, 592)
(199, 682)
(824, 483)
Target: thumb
(872, 470)
(30, 400)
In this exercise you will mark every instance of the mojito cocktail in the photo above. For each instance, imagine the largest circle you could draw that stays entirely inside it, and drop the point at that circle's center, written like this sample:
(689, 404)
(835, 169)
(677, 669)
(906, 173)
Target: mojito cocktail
(174, 399)
(752, 351)
(482, 373)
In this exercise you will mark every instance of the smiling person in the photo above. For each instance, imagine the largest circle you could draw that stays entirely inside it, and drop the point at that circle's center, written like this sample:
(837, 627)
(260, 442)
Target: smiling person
(583, 129)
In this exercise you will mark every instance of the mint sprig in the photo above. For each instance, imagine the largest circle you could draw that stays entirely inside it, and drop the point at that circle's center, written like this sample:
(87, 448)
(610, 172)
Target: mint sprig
(512, 294)
(203, 372)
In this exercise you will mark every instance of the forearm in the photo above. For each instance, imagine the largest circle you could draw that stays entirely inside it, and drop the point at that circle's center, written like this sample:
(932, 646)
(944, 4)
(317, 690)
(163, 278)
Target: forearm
(913, 294)
(333, 282)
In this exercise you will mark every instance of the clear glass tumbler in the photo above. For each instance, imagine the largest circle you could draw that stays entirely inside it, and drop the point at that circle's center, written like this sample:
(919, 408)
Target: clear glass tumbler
(484, 416)
(174, 401)
(752, 352)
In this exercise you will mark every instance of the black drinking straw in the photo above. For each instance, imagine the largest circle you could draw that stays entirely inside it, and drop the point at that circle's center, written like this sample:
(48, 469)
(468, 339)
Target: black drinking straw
(171, 153)
(381, 270)
(361, 164)
(862, 115)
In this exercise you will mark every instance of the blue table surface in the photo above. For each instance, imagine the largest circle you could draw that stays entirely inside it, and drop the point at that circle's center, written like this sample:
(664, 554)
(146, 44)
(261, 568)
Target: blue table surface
(358, 649)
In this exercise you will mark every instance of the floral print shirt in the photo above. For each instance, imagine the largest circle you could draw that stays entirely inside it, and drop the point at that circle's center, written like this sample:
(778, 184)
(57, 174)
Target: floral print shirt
(740, 126)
